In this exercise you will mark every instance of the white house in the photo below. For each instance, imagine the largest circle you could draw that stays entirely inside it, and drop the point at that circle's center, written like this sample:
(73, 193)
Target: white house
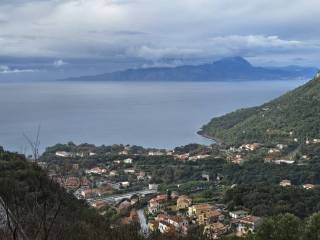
(128, 160)
(125, 184)
(155, 153)
(238, 214)
(198, 157)
(63, 154)
(113, 173)
(130, 170)
(308, 186)
(96, 170)
(284, 161)
(273, 150)
(281, 146)
(153, 186)
(124, 152)
(164, 227)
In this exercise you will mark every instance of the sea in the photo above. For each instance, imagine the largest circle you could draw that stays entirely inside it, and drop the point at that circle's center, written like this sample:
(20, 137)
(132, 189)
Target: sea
(149, 114)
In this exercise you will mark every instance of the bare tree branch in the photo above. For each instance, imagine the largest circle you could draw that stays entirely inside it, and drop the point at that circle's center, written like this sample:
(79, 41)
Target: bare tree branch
(13, 225)
(34, 144)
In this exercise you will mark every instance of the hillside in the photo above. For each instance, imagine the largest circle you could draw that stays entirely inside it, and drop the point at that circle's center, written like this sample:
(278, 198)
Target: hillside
(295, 114)
(226, 69)
(39, 209)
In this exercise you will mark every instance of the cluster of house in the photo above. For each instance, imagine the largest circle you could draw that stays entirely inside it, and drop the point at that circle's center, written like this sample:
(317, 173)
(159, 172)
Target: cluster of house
(119, 167)
(312, 141)
(65, 154)
(187, 157)
(124, 152)
(126, 209)
(148, 152)
(103, 185)
(82, 186)
(183, 157)
(287, 183)
(88, 193)
(215, 219)
(274, 154)
(71, 182)
(245, 147)
(113, 172)
(237, 155)
(96, 182)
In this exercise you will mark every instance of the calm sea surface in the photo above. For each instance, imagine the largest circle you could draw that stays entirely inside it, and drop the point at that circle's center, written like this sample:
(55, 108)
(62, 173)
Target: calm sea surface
(161, 114)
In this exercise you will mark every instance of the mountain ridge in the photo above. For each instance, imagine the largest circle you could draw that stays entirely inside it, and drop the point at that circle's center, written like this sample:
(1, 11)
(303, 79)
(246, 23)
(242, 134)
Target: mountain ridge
(225, 69)
(294, 116)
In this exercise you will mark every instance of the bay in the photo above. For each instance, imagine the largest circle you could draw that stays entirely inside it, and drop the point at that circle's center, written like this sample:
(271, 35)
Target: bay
(150, 114)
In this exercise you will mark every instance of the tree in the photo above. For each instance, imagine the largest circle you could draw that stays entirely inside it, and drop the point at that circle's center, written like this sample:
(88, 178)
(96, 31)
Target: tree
(266, 230)
(281, 227)
(312, 228)
(34, 144)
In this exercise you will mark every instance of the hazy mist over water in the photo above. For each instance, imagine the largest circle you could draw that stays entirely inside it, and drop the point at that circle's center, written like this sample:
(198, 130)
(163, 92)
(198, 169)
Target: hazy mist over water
(158, 114)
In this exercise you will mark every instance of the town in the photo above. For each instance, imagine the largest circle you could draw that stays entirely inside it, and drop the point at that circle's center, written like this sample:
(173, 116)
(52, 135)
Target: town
(123, 183)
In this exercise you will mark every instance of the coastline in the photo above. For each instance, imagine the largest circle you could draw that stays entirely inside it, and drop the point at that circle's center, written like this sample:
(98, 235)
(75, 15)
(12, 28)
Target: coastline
(216, 140)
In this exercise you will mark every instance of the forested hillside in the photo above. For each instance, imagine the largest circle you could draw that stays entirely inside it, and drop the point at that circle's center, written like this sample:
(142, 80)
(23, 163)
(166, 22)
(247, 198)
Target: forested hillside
(294, 116)
(37, 208)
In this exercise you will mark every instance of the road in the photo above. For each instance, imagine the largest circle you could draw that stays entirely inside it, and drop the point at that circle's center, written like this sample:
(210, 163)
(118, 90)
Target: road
(143, 222)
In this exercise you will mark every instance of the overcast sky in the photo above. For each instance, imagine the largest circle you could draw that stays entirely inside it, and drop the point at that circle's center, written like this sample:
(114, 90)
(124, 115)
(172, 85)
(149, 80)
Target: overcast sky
(121, 33)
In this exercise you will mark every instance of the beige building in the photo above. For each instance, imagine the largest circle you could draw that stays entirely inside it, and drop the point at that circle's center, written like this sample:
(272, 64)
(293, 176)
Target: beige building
(210, 216)
(247, 224)
(196, 210)
(183, 202)
(215, 230)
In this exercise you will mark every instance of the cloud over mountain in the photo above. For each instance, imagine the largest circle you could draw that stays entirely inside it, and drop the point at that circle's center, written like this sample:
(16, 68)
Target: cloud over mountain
(264, 31)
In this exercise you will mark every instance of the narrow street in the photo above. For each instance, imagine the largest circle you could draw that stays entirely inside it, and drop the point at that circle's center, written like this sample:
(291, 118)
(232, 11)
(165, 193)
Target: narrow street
(143, 222)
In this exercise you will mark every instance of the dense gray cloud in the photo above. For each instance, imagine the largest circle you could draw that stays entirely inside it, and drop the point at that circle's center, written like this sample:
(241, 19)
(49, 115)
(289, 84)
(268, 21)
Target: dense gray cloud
(265, 31)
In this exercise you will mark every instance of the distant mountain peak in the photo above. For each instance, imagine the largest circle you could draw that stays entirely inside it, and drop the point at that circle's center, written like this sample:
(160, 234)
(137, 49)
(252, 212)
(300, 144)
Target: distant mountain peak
(234, 61)
(226, 69)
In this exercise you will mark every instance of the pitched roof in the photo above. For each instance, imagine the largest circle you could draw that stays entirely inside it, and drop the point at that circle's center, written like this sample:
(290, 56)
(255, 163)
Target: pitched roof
(250, 219)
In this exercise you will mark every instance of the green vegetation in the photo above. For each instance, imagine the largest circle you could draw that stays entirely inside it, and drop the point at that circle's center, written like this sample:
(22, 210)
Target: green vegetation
(270, 200)
(297, 112)
(286, 227)
(257, 172)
